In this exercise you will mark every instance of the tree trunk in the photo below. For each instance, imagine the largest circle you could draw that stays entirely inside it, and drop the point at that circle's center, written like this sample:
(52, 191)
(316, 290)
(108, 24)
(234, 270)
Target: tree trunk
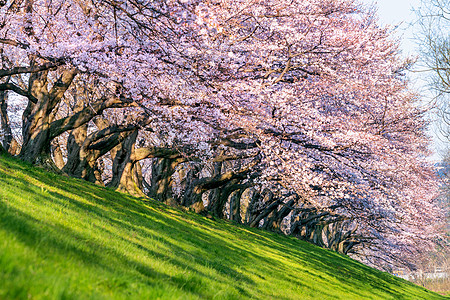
(6, 127)
(36, 138)
(265, 212)
(194, 193)
(235, 205)
(251, 209)
(57, 154)
(214, 194)
(269, 204)
(161, 182)
(83, 160)
(74, 142)
(2, 150)
(216, 206)
(191, 194)
(127, 170)
(127, 176)
(274, 220)
(121, 157)
(138, 177)
(37, 117)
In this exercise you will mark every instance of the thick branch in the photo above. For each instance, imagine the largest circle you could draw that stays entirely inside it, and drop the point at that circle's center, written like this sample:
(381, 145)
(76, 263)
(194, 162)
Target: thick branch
(236, 145)
(16, 89)
(14, 43)
(221, 158)
(271, 207)
(101, 139)
(86, 114)
(31, 69)
(61, 86)
(209, 183)
(149, 152)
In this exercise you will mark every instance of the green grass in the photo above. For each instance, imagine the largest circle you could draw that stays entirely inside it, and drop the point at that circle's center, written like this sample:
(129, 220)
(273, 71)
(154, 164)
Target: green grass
(62, 238)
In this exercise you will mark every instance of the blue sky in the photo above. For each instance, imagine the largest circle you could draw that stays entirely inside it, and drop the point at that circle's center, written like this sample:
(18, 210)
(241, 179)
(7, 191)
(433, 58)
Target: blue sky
(392, 11)
(399, 12)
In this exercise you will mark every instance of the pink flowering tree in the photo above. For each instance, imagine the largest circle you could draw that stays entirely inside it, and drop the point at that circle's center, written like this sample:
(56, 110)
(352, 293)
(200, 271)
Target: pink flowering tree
(338, 153)
(320, 84)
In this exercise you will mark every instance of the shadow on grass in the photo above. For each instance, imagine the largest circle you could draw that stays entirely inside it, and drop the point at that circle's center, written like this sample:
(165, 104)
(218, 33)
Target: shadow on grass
(64, 241)
(213, 248)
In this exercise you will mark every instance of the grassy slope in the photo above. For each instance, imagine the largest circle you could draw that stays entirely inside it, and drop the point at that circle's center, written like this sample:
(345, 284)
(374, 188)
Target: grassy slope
(62, 238)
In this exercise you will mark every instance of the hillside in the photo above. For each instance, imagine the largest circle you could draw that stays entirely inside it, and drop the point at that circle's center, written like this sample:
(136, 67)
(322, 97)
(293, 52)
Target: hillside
(62, 238)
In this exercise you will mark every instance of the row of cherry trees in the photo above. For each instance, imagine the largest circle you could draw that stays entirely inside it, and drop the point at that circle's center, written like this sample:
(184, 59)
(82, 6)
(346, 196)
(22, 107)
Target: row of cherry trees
(292, 116)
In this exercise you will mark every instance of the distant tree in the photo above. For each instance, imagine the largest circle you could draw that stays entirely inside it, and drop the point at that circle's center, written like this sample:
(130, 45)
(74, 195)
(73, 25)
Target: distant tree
(434, 18)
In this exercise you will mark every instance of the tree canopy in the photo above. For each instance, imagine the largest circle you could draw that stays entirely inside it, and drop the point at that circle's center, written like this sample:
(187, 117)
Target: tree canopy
(293, 116)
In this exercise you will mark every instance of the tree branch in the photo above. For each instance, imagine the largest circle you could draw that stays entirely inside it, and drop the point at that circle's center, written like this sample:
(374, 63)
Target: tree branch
(31, 69)
(16, 89)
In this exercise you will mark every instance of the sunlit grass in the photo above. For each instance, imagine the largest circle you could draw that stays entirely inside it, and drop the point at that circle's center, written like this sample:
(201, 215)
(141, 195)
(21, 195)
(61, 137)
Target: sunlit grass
(62, 238)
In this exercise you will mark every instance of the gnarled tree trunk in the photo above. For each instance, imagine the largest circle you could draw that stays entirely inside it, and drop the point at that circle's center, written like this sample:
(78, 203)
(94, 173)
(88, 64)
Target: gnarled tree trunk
(39, 115)
(57, 154)
(6, 127)
(82, 162)
(273, 221)
(162, 182)
(127, 175)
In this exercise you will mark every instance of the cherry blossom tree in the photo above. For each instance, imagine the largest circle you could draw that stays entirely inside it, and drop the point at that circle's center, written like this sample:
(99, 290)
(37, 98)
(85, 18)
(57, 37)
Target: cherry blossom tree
(335, 145)
(320, 84)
